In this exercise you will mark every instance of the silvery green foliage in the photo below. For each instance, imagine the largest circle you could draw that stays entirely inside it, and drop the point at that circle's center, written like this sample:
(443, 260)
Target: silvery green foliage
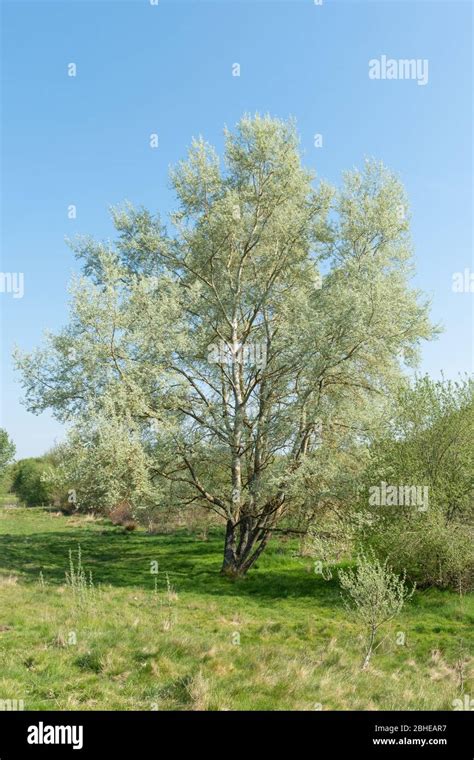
(7, 450)
(102, 464)
(375, 595)
(241, 269)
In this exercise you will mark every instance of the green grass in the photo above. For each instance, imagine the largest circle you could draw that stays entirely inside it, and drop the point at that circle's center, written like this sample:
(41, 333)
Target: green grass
(8, 499)
(278, 639)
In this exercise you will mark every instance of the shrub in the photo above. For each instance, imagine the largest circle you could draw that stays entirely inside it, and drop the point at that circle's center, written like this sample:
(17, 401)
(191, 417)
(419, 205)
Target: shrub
(429, 445)
(376, 596)
(432, 551)
(28, 482)
(122, 515)
(104, 465)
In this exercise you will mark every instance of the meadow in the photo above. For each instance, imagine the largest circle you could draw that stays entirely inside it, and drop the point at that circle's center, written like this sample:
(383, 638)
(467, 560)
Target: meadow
(145, 622)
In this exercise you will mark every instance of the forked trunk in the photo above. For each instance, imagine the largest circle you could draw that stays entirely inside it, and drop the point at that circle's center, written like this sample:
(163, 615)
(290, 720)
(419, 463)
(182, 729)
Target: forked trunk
(243, 545)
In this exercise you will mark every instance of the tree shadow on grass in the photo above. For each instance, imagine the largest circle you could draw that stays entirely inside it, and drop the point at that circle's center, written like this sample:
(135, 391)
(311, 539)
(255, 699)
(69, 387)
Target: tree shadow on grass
(124, 560)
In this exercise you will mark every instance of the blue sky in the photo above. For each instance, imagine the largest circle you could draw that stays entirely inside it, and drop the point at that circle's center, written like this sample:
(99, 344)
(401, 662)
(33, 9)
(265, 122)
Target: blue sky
(167, 69)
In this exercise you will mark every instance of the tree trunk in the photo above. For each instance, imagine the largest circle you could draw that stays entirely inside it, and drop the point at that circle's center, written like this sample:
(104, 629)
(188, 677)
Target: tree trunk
(243, 545)
(229, 549)
(369, 650)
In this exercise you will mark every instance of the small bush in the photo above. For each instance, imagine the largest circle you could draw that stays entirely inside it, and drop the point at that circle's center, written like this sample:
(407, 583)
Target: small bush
(28, 482)
(122, 515)
(375, 596)
(432, 551)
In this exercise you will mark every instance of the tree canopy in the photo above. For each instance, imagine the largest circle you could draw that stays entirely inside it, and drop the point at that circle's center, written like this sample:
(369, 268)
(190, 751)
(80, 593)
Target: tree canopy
(267, 326)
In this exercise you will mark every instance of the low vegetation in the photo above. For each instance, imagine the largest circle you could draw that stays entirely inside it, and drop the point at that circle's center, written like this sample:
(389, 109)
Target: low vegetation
(149, 624)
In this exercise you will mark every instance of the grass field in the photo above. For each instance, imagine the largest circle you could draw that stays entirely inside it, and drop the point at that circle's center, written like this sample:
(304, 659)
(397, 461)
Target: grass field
(188, 639)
